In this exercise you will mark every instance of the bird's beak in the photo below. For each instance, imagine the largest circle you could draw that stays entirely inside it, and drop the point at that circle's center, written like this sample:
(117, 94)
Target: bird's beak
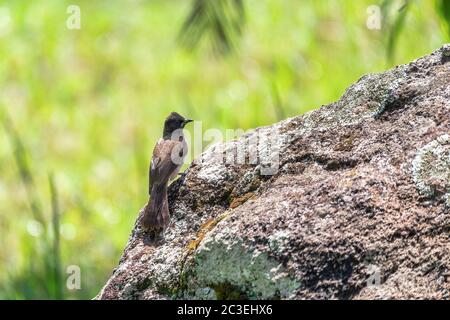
(187, 121)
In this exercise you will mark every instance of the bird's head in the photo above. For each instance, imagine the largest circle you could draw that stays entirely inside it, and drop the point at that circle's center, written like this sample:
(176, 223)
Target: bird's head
(174, 122)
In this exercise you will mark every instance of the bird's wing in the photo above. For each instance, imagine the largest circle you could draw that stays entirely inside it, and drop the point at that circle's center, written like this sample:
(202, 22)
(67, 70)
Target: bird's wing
(162, 165)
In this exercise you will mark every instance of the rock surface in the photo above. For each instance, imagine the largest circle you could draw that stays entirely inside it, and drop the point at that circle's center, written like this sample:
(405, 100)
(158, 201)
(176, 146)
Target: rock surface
(358, 208)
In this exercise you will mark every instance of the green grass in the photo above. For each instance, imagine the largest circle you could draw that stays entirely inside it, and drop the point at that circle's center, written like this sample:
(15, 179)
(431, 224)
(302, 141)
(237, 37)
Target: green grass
(81, 110)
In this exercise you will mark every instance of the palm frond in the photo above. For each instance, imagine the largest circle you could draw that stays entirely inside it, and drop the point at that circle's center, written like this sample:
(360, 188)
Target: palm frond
(220, 21)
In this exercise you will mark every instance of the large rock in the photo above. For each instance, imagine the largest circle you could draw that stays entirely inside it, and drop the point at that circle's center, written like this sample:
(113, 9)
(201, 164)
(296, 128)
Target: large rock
(358, 208)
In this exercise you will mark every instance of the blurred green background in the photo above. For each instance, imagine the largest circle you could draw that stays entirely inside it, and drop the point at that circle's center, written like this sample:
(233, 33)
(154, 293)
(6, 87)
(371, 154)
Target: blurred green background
(80, 110)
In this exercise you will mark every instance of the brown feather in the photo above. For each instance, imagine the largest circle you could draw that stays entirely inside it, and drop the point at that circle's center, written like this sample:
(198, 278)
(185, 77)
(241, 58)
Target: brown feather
(162, 169)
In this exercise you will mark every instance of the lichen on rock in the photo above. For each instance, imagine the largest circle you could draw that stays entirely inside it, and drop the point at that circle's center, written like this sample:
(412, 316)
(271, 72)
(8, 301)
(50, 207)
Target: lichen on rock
(431, 168)
(249, 272)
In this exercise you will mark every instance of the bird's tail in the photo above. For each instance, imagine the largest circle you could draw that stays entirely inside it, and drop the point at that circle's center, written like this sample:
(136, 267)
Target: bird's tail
(156, 212)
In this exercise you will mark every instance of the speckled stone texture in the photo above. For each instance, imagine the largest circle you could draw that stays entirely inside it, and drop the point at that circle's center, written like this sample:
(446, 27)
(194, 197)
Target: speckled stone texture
(358, 209)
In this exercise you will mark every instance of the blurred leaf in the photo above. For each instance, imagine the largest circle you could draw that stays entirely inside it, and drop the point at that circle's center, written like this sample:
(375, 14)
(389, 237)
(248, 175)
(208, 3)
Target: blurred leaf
(220, 20)
(25, 172)
(385, 6)
(277, 102)
(396, 29)
(56, 251)
(443, 9)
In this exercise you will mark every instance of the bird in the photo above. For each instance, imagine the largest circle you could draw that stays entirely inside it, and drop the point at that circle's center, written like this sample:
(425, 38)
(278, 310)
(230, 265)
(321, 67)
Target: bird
(167, 159)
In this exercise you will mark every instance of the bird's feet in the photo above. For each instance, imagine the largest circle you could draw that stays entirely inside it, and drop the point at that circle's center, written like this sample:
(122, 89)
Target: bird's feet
(182, 175)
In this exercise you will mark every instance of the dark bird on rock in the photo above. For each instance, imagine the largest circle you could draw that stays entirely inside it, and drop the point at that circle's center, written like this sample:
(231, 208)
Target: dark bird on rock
(167, 159)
